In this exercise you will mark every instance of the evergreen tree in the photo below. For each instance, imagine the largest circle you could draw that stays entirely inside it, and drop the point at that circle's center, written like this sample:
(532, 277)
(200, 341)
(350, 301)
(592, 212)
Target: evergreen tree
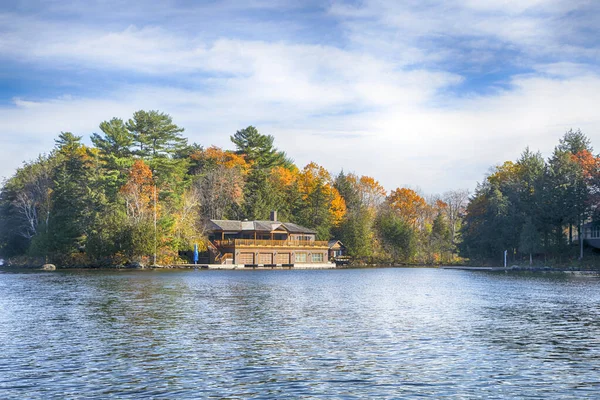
(258, 149)
(116, 142)
(396, 235)
(441, 237)
(155, 135)
(71, 204)
(529, 240)
(114, 150)
(259, 196)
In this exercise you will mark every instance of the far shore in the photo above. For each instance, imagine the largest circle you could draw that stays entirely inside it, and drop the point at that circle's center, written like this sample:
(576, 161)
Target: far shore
(512, 268)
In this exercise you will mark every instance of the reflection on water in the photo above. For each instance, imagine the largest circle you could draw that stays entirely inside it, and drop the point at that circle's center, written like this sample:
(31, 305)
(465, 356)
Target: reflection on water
(287, 334)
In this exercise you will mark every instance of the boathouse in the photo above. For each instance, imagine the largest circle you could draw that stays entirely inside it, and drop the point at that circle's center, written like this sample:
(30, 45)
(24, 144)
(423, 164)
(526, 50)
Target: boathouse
(266, 243)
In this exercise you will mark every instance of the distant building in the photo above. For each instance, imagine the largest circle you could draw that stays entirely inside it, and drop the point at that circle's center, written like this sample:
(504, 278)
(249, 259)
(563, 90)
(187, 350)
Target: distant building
(264, 243)
(591, 234)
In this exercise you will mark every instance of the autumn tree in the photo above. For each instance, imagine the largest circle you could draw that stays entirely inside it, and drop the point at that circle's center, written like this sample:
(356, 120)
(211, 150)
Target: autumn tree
(219, 182)
(362, 195)
(408, 205)
(140, 194)
(322, 206)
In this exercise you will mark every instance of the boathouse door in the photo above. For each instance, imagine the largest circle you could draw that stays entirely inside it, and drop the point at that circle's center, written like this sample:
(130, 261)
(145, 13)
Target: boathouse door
(265, 258)
(282, 258)
(246, 258)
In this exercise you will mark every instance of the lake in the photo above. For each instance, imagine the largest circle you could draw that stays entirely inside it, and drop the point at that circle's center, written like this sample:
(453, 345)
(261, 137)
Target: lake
(355, 333)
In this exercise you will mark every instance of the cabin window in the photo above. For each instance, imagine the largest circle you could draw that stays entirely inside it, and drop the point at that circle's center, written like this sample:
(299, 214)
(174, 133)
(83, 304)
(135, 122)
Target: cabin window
(300, 257)
(595, 232)
(317, 257)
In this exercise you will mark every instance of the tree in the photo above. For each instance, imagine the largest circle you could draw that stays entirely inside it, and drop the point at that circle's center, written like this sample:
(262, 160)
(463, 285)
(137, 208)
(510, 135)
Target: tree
(408, 205)
(155, 134)
(72, 202)
(259, 195)
(397, 236)
(140, 195)
(138, 192)
(456, 201)
(25, 201)
(322, 206)
(219, 182)
(116, 141)
(356, 232)
(258, 149)
(440, 237)
(574, 142)
(114, 148)
(262, 157)
(362, 196)
(529, 239)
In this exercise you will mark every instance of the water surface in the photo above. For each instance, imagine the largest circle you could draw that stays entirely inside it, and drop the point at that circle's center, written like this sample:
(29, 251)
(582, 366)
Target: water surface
(366, 333)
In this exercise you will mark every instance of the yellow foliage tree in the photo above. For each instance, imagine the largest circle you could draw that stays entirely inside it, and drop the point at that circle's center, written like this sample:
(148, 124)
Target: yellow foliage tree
(323, 205)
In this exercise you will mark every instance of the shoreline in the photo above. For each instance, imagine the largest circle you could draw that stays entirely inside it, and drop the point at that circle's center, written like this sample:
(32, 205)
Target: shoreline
(325, 266)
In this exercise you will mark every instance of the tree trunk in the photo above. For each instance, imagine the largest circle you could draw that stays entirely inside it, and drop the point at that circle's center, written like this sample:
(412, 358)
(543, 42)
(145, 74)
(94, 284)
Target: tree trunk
(570, 234)
(580, 234)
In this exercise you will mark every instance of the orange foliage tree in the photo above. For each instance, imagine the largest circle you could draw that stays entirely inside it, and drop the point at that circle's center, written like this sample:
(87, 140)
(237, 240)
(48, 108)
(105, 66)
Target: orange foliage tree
(408, 205)
(139, 191)
(219, 181)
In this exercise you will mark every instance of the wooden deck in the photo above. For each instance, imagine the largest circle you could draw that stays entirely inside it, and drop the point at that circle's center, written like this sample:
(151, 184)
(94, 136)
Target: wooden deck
(270, 243)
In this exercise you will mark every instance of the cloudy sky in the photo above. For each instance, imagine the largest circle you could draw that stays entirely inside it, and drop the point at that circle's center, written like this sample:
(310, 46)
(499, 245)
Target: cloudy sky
(416, 93)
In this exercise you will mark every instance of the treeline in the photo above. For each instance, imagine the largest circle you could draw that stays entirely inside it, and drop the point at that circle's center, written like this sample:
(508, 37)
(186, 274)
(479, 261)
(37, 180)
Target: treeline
(535, 207)
(141, 192)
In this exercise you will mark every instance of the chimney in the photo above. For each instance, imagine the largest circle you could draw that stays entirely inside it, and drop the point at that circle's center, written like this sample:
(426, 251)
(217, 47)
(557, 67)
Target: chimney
(273, 217)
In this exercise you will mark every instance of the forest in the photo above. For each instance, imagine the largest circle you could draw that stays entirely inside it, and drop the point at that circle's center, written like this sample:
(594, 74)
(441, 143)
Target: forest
(534, 208)
(140, 193)
(141, 190)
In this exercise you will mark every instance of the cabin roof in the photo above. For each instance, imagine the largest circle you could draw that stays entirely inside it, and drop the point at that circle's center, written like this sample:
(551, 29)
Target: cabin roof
(255, 226)
(334, 242)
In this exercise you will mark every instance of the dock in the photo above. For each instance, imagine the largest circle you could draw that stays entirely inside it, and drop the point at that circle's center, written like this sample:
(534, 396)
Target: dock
(247, 267)
(464, 268)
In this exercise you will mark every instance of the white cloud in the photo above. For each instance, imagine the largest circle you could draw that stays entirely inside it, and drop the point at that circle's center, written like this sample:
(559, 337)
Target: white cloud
(535, 28)
(381, 105)
(436, 149)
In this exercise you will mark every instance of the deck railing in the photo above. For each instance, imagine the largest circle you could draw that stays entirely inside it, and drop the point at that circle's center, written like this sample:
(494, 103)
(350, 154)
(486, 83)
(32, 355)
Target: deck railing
(270, 243)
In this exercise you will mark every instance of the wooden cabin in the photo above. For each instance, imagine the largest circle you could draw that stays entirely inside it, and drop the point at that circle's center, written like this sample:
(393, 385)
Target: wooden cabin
(264, 243)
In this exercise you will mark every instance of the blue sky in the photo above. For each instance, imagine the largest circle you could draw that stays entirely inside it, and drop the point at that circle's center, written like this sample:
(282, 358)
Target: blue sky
(424, 94)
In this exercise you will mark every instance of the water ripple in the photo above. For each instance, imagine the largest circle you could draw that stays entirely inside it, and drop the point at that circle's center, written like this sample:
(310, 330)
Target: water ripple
(390, 333)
